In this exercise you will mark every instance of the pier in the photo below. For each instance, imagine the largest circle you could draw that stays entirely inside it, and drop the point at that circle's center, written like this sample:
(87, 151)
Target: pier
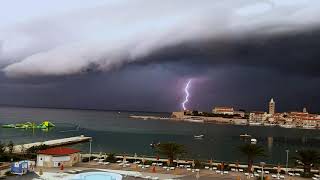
(52, 143)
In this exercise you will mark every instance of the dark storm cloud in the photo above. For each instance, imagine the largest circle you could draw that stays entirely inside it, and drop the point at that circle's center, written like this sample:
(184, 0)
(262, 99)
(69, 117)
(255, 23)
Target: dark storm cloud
(296, 53)
(105, 38)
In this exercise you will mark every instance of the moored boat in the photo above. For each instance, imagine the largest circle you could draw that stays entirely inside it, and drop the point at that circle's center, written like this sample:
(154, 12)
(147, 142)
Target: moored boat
(245, 135)
(201, 136)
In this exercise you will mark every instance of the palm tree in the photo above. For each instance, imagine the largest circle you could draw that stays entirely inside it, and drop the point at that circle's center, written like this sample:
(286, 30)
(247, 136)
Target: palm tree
(252, 151)
(307, 158)
(171, 150)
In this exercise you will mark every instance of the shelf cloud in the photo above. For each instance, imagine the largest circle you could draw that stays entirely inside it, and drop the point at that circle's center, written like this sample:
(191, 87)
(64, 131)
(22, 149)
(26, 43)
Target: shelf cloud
(113, 35)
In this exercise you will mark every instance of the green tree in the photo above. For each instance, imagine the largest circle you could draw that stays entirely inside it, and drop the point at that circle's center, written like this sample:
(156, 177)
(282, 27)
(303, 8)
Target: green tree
(10, 147)
(171, 150)
(111, 158)
(308, 159)
(2, 148)
(251, 151)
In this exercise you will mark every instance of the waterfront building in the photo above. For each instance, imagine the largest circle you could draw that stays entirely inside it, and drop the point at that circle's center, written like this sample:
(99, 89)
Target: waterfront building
(56, 157)
(178, 115)
(239, 113)
(257, 116)
(272, 106)
(223, 110)
(302, 119)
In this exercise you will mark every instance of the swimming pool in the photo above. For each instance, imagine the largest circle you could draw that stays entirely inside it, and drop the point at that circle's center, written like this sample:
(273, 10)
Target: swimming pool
(97, 176)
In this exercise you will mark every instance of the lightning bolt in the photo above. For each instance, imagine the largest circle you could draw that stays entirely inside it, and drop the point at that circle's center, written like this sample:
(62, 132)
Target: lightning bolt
(186, 90)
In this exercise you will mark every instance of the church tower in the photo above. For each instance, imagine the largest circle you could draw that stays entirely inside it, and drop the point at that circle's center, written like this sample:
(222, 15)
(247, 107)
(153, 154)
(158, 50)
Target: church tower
(272, 106)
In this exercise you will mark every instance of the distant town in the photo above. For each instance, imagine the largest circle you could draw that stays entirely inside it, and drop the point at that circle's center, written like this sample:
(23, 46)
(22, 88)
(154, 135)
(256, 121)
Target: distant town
(228, 115)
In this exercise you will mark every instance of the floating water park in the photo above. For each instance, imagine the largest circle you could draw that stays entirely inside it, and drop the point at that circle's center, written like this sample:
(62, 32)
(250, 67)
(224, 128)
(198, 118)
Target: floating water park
(30, 125)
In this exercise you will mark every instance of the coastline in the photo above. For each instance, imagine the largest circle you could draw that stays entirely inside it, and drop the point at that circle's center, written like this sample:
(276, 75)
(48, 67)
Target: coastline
(220, 120)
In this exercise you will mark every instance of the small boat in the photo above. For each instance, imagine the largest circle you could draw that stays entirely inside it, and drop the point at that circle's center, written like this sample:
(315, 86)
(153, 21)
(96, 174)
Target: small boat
(154, 145)
(253, 141)
(255, 123)
(286, 126)
(201, 136)
(308, 127)
(245, 135)
(269, 124)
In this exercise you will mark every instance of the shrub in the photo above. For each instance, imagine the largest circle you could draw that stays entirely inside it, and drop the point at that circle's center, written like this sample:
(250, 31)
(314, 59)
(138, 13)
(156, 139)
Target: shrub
(111, 158)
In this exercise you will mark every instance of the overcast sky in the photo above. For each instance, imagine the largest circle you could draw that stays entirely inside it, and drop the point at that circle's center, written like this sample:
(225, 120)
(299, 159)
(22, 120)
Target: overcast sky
(138, 55)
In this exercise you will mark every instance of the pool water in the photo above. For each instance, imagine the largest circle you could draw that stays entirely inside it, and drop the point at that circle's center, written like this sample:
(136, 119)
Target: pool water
(97, 176)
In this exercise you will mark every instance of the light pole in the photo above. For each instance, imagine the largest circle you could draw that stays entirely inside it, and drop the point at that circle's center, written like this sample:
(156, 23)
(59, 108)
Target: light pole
(262, 164)
(287, 151)
(90, 150)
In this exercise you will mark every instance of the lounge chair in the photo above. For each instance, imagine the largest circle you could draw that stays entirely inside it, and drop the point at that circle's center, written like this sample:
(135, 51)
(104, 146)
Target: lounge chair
(78, 170)
(72, 172)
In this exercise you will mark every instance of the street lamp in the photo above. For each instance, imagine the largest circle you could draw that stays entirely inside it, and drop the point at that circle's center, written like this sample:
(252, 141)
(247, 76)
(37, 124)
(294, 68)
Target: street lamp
(262, 164)
(90, 150)
(287, 151)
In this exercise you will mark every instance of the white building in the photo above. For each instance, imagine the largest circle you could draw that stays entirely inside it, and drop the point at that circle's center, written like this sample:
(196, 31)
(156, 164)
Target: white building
(55, 157)
(258, 116)
(223, 110)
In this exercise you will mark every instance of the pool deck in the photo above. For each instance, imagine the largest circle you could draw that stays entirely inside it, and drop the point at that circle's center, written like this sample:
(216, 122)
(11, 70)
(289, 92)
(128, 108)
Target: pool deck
(128, 173)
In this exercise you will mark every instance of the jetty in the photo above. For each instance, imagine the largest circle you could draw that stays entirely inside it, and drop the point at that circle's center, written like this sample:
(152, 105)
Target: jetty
(52, 143)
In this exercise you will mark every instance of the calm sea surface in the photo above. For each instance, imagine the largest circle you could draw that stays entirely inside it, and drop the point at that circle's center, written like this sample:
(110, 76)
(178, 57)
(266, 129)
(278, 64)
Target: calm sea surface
(114, 132)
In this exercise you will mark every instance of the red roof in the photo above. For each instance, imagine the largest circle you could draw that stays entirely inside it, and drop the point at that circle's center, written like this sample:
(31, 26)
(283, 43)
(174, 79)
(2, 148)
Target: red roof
(58, 151)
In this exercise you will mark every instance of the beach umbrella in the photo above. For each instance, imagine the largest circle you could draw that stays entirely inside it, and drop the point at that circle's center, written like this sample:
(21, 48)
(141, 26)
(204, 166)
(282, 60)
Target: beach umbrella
(222, 166)
(168, 162)
(124, 159)
(237, 165)
(211, 162)
(135, 157)
(198, 175)
(143, 160)
(279, 169)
